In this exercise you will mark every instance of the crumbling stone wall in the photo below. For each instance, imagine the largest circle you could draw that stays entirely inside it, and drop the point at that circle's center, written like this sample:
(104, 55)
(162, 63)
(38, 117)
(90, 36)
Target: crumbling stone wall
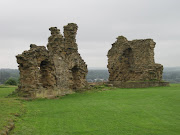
(133, 61)
(55, 71)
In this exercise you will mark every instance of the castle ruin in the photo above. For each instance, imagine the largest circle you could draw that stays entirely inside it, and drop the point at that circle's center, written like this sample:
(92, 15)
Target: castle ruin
(55, 71)
(131, 64)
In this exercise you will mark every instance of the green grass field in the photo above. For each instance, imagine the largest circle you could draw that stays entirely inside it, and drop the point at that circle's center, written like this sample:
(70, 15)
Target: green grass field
(145, 111)
(10, 108)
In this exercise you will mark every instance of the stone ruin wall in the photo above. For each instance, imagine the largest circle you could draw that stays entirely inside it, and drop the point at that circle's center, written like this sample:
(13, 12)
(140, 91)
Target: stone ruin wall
(55, 71)
(133, 61)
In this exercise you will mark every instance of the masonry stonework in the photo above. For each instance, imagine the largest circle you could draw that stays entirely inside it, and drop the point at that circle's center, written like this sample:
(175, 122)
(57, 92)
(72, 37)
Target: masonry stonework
(55, 71)
(133, 61)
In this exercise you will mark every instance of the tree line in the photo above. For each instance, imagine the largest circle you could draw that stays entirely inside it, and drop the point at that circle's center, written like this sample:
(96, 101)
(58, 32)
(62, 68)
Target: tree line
(11, 76)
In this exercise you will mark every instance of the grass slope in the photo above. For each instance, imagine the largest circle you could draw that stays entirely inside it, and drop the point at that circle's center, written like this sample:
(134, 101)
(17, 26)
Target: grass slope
(9, 107)
(146, 111)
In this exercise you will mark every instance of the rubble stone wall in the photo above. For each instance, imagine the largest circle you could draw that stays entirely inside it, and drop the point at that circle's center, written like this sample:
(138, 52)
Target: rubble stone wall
(133, 61)
(55, 71)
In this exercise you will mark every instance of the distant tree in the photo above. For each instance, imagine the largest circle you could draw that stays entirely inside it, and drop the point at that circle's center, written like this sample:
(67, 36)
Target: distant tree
(11, 81)
(5, 74)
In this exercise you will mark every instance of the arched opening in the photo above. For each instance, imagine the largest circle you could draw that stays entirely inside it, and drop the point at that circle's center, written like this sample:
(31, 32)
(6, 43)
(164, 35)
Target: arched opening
(46, 79)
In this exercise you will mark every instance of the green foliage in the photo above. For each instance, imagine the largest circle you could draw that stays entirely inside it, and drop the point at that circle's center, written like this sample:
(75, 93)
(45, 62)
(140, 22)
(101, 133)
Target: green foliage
(11, 81)
(5, 74)
(145, 111)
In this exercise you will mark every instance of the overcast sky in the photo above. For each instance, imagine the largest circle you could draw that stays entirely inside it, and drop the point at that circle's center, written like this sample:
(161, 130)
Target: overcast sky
(23, 22)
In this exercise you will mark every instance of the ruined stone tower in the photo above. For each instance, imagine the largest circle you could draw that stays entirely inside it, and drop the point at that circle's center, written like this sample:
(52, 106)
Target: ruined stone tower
(133, 62)
(55, 71)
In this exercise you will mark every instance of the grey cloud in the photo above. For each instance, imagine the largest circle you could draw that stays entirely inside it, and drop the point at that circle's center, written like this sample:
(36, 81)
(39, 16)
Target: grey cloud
(100, 22)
